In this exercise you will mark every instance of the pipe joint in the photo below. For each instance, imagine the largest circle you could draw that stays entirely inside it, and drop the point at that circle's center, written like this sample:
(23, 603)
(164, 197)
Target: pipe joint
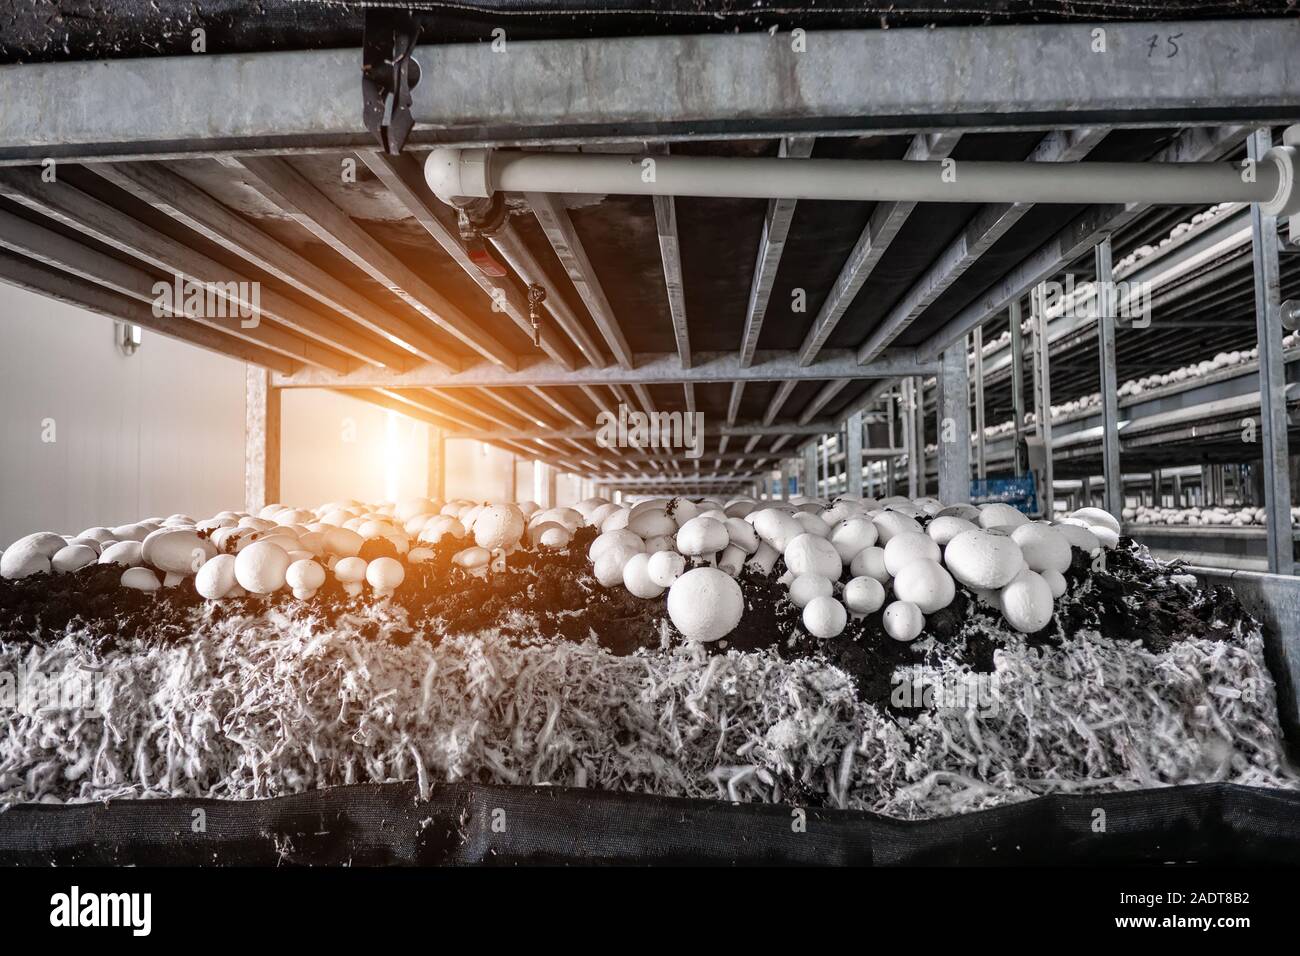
(457, 175)
(1286, 201)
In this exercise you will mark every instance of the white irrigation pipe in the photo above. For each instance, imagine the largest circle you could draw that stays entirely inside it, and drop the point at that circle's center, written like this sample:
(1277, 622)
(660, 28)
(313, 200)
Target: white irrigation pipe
(455, 174)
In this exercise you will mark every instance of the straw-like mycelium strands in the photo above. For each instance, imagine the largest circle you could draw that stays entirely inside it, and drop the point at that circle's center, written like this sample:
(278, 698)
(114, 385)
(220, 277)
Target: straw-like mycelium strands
(260, 707)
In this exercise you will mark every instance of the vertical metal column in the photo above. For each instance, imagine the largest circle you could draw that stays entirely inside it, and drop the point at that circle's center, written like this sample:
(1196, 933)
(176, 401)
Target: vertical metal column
(891, 461)
(952, 414)
(1157, 481)
(853, 455)
(1112, 478)
(1042, 398)
(981, 455)
(808, 480)
(512, 479)
(261, 440)
(787, 472)
(1017, 386)
(435, 468)
(910, 438)
(824, 486)
(1272, 376)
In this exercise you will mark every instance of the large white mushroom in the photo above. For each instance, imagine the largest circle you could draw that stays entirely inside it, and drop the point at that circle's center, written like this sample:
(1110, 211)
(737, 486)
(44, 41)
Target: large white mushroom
(852, 535)
(125, 553)
(498, 527)
(943, 528)
(1044, 547)
(1027, 602)
(613, 539)
(903, 621)
(891, 523)
(260, 568)
(74, 557)
(864, 595)
(824, 617)
(870, 562)
(702, 538)
(216, 578)
(637, 579)
(608, 567)
(999, 515)
(305, 577)
(665, 567)
(979, 559)
(776, 527)
(30, 554)
(384, 575)
(926, 584)
(177, 553)
(807, 586)
(811, 554)
(705, 604)
(907, 547)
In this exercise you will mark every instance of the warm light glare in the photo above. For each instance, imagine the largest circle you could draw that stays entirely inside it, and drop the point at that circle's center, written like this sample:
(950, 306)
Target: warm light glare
(392, 455)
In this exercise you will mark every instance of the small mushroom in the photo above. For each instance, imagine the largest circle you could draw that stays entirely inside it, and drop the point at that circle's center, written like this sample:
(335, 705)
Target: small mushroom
(909, 546)
(177, 553)
(1043, 547)
(350, 572)
(705, 604)
(864, 595)
(943, 528)
(776, 527)
(260, 568)
(216, 579)
(998, 515)
(1027, 602)
(608, 567)
(702, 538)
(891, 523)
(386, 574)
(498, 527)
(807, 586)
(305, 577)
(824, 617)
(811, 554)
(141, 579)
(870, 562)
(665, 567)
(637, 579)
(612, 539)
(73, 558)
(903, 621)
(926, 584)
(126, 553)
(1056, 581)
(852, 535)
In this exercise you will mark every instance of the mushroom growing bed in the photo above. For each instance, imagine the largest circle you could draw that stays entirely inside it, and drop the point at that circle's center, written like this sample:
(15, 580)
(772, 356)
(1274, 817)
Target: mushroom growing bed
(895, 656)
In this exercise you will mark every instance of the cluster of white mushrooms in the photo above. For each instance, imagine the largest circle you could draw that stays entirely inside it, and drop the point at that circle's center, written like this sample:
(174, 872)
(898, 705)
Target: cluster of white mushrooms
(695, 549)
(1214, 516)
(234, 553)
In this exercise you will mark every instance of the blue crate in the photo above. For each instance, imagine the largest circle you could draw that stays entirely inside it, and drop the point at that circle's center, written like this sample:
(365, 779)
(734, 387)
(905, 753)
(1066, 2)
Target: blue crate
(1019, 491)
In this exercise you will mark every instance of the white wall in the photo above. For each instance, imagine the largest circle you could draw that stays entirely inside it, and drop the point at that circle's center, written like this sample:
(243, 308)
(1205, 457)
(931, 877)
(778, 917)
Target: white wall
(155, 433)
(162, 431)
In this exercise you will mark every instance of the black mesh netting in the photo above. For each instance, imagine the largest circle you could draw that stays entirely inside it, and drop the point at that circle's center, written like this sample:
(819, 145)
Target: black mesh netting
(468, 824)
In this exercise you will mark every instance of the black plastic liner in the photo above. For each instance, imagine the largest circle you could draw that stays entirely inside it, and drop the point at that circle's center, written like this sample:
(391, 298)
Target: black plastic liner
(471, 824)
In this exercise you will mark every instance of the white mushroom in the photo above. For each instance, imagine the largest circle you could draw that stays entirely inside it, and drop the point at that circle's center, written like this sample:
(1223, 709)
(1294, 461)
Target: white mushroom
(926, 584)
(386, 574)
(903, 621)
(1097, 517)
(943, 528)
(475, 560)
(350, 572)
(812, 523)
(979, 559)
(498, 527)
(260, 568)
(651, 523)
(702, 538)
(637, 579)
(30, 554)
(732, 560)
(997, 515)
(891, 523)
(1044, 548)
(1027, 602)
(1080, 537)
(73, 558)
(177, 553)
(665, 567)
(141, 579)
(125, 553)
(705, 604)
(742, 535)
(305, 577)
(870, 562)
(612, 539)
(824, 617)
(811, 554)
(1056, 581)
(807, 586)
(864, 595)
(764, 559)
(608, 567)
(852, 535)
(909, 546)
(776, 527)
(216, 578)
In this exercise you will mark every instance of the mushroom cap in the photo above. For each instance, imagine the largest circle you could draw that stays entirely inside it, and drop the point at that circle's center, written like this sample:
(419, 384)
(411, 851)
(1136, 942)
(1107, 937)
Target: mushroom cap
(498, 527)
(636, 577)
(554, 535)
(73, 558)
(471, 558)
(438, 527)
(608, 567)
(1056, 581)
(141, 579)
(812, 523)
(1097, 517)
(1043, 547)
(125, 553)
(870, 562)
(665, 567)
(1080, 537)
(804, 587)
(851, 535)
(408, 509)
(616, 520)
(651, 523)
(705, 604)
(350, 570)
(702, 536)
(965, 512)
(811, 554)
(824, 617)
(1108, 538)
(997, 515)
(587, 505)
(864, 595)
(776, 527)
(30, 555)
(908, 546)
(260, 568)
(613, 539)
(1027, 602)
(926, 584)
(742, 535)
(384, 574)
(979, 559)
(891, 523)
(739, 507)
(304, 575)
(903, 621)
(177, 551)
(943, 528)
(343, 542)
(216, 578)
(600, 514)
